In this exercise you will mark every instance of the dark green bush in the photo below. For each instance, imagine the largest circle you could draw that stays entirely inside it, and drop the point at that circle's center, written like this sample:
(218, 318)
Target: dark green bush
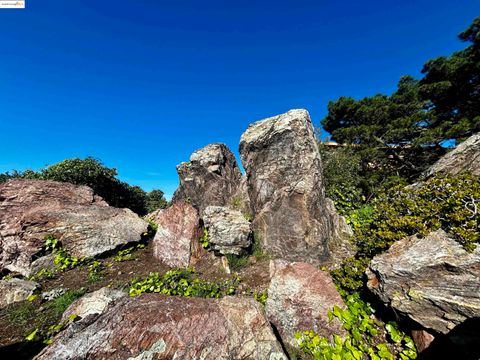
(103, 180)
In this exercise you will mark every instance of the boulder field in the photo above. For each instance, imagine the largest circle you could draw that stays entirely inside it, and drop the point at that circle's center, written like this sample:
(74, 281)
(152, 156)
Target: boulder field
(278, 209)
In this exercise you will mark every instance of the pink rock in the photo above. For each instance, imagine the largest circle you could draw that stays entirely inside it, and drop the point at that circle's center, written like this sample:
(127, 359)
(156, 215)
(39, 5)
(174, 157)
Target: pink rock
(299, 299)
(176, 242)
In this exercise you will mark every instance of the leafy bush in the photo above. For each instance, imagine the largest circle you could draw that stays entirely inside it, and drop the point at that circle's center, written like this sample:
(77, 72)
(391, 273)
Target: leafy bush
(447, 202)
(183, 282)
(365, 336)
(204, 239)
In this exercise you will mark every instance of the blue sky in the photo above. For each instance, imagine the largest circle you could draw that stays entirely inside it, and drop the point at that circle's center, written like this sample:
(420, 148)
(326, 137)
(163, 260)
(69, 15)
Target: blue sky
(142, 84)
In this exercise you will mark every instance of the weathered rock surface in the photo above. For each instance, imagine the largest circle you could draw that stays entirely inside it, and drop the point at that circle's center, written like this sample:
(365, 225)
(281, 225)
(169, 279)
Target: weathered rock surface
(228, 231)
(299, 299)
(83, 222)
(177, 235)
(94, 303)
(465, 157)
(15, 290)
(153, 326)
(432, 280)
(284, 175)
(212, 177)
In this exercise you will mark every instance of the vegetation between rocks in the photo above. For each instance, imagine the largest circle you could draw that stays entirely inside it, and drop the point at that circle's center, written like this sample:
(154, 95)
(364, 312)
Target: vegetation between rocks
(365, 336)
(183, 282)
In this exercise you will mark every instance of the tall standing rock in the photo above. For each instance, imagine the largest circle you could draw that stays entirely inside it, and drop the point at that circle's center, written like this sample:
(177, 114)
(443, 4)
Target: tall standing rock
(284, 176)
(211, 177)
(178, 234)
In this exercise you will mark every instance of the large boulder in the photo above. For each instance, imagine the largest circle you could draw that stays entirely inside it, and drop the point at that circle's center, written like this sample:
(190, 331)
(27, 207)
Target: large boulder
(15, 290)
(228, 231)
(284, 174)
(153, 326)
(84, 223)
(211, 177)
(431, 280)
(178, 234)
(299, 299)
(465, 157)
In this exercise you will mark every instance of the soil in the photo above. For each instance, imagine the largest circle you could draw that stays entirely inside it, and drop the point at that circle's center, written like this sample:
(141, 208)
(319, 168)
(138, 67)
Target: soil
(20, 319)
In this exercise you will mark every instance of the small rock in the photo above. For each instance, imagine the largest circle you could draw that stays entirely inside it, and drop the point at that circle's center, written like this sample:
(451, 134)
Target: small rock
(53, 294)
(228, 231)
(96, 302)
(15, 290)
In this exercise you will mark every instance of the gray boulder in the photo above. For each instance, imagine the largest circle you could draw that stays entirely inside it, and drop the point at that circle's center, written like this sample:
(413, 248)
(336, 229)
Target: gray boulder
(465, 157)
(211, 177)
(228, 231)
(83, 222)
(284, 176)
(431, 280)
(15, 290)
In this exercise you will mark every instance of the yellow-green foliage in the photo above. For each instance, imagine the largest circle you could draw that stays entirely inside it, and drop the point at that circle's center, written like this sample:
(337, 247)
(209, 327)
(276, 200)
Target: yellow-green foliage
(447, 202)
(366, 336)
(183, 282)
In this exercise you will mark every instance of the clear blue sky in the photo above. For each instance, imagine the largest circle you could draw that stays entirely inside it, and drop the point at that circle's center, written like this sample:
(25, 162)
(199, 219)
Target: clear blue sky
(141, 84)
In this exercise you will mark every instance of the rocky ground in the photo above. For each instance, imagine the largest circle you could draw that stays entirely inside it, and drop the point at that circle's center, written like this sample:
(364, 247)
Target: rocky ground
(235, 268)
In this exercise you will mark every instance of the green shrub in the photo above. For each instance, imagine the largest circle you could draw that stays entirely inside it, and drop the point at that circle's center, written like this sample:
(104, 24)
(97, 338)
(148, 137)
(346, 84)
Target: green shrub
(204, 239)
(182, 282)
(366, 336)
(447, 202)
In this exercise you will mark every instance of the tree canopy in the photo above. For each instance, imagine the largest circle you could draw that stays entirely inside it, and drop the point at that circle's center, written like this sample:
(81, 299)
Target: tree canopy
(402, 133)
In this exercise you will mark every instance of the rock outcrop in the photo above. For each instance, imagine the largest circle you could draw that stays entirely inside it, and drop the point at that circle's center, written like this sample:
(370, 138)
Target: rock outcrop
(284, 176)
(178, 234)
(15, 290)
(431, 280)
(153, 326)
(299, 299)
(465, 157)
(211, 178)
(83, 222)
(228, 231)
